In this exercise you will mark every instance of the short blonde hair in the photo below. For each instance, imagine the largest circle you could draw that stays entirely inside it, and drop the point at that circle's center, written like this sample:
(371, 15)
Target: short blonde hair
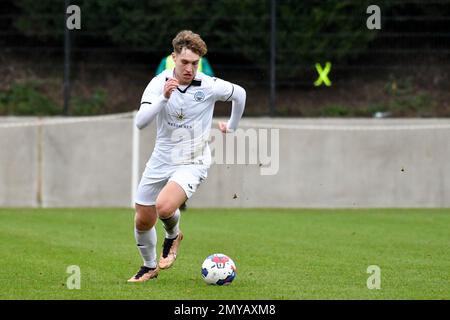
(192, 41)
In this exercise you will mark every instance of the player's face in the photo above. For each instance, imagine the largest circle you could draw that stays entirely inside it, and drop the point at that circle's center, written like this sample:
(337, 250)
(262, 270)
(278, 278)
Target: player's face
(186, 64)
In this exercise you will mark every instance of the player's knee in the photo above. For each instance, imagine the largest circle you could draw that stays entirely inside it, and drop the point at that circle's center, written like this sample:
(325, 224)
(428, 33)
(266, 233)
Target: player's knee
(143, 225)
(145, 218)
(165, 209)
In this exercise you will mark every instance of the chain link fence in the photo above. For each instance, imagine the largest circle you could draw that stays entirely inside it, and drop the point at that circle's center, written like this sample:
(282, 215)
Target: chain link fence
(278, 50)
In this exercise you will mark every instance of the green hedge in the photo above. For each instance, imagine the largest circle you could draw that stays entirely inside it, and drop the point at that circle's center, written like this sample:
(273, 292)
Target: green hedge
(25, 99)
(308, 31)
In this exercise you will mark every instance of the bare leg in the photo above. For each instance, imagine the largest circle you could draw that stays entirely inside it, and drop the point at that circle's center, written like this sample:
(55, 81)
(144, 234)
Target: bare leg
(171, 197)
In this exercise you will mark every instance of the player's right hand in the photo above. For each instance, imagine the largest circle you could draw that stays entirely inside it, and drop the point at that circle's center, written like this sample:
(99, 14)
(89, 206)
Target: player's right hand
(169, 86)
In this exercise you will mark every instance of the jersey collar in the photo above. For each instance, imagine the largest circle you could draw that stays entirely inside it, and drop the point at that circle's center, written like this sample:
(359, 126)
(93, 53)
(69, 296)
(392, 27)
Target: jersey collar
(194, 83)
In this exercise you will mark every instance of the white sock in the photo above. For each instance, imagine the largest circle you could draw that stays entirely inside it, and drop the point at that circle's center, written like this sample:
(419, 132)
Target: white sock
(171, 225)
(146, 243)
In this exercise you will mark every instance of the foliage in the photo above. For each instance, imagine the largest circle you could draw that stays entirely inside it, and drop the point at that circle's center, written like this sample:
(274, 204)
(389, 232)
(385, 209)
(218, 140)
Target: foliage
(82, 106)
(401, 98)
(307, 32)
(404, 98)
(25, 99)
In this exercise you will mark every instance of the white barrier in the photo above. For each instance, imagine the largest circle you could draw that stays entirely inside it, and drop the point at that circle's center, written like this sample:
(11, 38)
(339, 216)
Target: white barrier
(92, 161)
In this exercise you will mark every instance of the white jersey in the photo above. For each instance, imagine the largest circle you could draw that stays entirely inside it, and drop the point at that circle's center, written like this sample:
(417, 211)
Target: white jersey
(184, 123)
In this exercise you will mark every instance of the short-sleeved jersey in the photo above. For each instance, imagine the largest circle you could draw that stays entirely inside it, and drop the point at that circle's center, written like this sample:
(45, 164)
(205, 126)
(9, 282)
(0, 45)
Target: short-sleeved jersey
(184, 124)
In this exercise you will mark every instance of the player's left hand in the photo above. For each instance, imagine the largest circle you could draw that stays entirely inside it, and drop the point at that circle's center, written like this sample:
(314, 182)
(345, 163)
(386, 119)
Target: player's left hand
(223, 127)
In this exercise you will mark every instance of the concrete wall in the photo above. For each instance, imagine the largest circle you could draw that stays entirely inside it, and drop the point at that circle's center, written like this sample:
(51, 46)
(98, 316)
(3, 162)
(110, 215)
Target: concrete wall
(89, 164)
(18, 167)
(67, 165)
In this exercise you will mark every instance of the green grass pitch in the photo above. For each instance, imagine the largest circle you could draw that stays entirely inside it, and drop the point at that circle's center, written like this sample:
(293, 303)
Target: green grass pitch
(279, 253)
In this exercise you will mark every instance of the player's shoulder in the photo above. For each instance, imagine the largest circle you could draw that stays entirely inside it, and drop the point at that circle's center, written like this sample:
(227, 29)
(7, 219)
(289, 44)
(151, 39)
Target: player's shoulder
(156, 84)
(163, 76)
(206, 80)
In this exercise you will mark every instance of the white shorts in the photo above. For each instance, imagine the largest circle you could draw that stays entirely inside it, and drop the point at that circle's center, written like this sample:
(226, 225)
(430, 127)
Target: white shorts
(155, 177)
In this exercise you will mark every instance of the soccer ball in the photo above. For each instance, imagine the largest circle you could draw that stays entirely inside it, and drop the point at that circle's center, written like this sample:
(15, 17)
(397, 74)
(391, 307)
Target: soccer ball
(218, 269)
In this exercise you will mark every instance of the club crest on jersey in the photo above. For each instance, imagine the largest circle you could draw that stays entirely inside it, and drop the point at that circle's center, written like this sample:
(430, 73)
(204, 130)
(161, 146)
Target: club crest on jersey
(199, 96)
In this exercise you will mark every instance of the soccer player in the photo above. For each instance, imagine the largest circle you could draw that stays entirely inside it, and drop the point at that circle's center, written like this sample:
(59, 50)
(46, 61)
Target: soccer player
(182, 102)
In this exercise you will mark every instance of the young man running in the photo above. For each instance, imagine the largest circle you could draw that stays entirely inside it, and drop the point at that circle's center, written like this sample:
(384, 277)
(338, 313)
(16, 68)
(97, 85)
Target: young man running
(182, 102)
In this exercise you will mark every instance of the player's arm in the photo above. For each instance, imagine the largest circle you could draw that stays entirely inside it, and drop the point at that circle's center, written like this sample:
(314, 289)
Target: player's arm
(227, 91)
(153, 101)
